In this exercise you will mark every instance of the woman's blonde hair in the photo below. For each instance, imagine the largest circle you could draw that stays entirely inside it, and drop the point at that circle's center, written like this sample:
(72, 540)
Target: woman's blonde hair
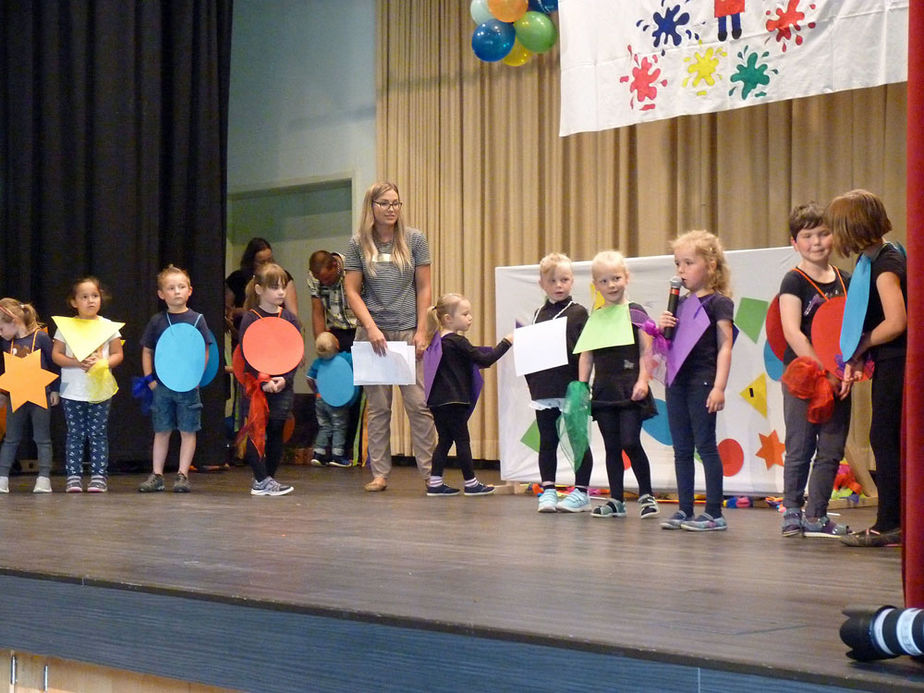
(269, 275)
(447, 305)
(400, 253)
(12, 310)
(607, 258)
(858, 220)
(709, 247)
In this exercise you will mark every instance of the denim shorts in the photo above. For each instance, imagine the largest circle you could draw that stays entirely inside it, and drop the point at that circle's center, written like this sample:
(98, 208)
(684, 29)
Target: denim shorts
(176, 411)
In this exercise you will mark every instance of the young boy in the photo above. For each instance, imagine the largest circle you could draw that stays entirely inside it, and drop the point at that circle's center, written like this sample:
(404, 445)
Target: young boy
(333, 421)
(547, 388)
(172, 410)
(803, 290)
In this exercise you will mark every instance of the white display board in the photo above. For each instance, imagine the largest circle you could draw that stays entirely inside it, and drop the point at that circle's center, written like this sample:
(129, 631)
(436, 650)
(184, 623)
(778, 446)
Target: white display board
(750, 429)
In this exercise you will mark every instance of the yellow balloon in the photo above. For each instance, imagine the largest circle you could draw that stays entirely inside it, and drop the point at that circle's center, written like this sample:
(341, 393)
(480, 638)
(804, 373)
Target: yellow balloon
(518, 55)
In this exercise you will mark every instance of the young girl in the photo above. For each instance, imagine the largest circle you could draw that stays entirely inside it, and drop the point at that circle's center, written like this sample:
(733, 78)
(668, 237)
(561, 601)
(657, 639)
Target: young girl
(620, 399)
(86, 405)
(697, 392)
(20, 335)
(547, 388)
(859, 221)
(266, 294)
(454, 392)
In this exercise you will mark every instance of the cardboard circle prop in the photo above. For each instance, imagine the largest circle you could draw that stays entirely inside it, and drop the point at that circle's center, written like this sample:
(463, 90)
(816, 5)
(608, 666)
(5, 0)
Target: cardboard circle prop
(211, 366)
(826, 331)
(179, 357)
(237, 364)
(774, 327)
(273, 346)
(335, 382)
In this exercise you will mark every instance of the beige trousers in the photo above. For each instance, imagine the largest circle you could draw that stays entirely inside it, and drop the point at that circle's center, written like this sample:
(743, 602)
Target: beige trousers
(378, 408)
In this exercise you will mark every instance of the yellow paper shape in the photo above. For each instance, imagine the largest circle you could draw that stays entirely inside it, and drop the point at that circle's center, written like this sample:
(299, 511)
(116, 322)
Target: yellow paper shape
(25, 379)
(756, 394)
(607, 327)
(86, 336)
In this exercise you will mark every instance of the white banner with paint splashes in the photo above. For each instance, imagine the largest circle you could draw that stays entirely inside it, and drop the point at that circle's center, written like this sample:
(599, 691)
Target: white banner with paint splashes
(632, 61)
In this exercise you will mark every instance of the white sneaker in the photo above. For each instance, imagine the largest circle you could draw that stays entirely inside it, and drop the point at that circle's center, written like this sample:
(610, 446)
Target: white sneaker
(548, 500)
(42, 485)
(575, 502)
(4, 484)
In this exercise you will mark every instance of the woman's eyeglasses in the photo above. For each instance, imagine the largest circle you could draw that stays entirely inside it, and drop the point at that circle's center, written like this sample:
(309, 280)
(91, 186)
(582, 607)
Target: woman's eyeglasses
(385, 204)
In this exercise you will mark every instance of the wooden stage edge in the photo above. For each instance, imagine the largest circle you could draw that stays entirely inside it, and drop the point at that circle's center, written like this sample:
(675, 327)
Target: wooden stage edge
(339, 588)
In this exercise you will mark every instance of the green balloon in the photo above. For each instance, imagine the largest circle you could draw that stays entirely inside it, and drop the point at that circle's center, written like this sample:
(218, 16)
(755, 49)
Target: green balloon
(536, 32)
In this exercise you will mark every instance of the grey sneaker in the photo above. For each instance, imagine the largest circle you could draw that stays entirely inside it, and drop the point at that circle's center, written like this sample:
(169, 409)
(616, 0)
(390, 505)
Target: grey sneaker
(73, 484)
(648, 506)
(269, 487)
(705, 523)
(792, 523)
(824, 527)
(674, 521)
(181, 484)
(98, 484)
(42, 485)
(4, 484)
(612, 508)
(154, 483)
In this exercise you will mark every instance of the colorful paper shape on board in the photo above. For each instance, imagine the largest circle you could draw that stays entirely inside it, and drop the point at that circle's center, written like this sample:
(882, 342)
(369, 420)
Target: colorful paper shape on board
(273, 346)
(25, 379)
(755, 394)
(855, 308)
(692, 323)
(179, 357)
(750, 317)
(335, 382)
(774, 328)
(531, 438)
(212, 363)
(826, 331)
(658, 426)
(772, 363)
(607, 327)
(397, 367)
(540, 346)
(86, 336)
(771, 449)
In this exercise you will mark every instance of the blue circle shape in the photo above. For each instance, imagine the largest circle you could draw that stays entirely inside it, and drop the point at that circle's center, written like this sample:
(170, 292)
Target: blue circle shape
(493, 40)
(773, 365)
(335, 382)
(657, 426)
(211, 366)
(179, 357)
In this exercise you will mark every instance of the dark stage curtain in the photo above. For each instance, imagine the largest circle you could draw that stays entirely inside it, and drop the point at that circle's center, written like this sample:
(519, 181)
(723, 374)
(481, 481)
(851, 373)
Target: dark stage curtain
(113, 163)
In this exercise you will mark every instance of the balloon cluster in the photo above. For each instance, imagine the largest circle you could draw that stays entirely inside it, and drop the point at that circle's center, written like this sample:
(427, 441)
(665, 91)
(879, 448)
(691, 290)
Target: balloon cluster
(512, 30)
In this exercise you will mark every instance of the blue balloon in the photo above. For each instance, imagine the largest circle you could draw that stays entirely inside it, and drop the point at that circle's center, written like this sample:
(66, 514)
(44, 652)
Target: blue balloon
(493, 40)
(547, 6)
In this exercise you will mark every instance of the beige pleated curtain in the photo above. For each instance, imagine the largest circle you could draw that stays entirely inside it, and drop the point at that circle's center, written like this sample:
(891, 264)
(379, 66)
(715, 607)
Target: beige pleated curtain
(475, 152)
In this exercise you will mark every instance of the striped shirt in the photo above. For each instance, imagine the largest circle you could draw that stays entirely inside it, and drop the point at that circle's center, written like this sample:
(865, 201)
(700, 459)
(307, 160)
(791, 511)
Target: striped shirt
(390, 295)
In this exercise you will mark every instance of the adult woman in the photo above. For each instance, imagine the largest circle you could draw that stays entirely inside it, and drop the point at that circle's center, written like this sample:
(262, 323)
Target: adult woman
(387, 285)
(258, 252)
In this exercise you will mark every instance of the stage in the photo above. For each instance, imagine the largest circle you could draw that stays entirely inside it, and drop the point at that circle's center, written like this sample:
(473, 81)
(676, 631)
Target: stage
(332, 588)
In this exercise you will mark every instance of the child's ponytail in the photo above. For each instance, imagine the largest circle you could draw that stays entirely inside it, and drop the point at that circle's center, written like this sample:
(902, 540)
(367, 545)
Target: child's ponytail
(11, 309)
(445, 306)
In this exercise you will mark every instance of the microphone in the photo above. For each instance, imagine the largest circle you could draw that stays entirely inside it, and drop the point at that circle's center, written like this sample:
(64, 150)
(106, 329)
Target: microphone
(672, 299)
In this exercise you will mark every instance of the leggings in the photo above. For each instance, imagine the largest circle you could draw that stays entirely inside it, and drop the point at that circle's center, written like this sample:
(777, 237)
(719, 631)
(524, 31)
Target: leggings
(268, 464)
(621, 428)
(546, 420)
(452, 427)
(86, 422)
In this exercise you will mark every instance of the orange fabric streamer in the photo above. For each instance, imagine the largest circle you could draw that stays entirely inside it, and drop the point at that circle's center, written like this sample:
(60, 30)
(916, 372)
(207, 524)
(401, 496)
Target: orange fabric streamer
(255, 426)
(805, 379)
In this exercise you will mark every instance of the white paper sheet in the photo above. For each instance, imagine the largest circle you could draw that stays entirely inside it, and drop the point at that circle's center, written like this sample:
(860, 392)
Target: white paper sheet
(397, 367)
(540, 346)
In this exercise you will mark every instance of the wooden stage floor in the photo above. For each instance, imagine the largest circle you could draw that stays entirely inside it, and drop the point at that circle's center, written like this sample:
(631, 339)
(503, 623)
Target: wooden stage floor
(745, 600)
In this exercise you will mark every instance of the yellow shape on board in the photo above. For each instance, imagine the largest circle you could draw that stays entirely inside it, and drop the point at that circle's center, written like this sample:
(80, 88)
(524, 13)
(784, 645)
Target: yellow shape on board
(756, 394)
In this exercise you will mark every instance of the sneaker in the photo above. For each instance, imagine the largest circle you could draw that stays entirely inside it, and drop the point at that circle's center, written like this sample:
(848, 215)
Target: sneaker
(648, 506)
(479, 489)
(269, 487)
(73, 485)
(792, 523)
(98, 484)
(824, 527)
(575, 502)
(873, 538)
(42, 485)
(548, 500)
(341, 462)
(181, 483)
(320, 459)
(4, 484)
(154, 483)
(674, 521)
(705, 523)
(442, 490)
(612, 508)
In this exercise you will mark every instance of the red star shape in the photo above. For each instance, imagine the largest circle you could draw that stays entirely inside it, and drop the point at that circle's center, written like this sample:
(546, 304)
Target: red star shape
(771, 449)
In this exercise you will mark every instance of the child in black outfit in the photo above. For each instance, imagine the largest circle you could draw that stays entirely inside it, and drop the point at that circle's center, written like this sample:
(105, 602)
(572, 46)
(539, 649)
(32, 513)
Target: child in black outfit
(454, 389)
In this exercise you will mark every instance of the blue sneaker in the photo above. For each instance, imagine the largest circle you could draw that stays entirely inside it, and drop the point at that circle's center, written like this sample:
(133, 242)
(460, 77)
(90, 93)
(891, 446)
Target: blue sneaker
(548, 501)
(792, 523)
(705, 523)
(824, 528)
(479, 489)
(442, 490)
(340, 461)
(575, 502)
(612, 508)
(674, 521)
